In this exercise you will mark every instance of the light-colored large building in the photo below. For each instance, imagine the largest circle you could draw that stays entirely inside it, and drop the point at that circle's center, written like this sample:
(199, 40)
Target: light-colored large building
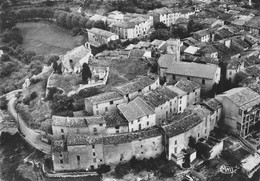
(133, 28)
(204, 74)
(98, 37)
(241, 109)
(138, 114)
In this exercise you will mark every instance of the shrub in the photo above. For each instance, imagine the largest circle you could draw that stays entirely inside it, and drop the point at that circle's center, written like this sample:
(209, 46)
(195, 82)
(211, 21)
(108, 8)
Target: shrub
(103, 169)
(5, 57)
(3, 103)
(122, 169)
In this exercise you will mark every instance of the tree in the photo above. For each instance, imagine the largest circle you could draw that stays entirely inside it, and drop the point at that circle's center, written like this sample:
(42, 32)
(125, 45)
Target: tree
(203, 150)
(192, 142)
(86, 73)
(5, 5)
(169, 169)
(160, 25)
(100, 24)
(61, 103)
(52, 59)
(161, 34)
(5, 58)
(103, 169)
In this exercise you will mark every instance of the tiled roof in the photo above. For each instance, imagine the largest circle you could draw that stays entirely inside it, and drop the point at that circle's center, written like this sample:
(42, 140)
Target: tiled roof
(241, 20)
(202, 33)
(208, 49)
(182, 123)
(83, 139)
(191, 50)
(254, 22)
(207, 71)
(178, 91)
(135, 109)
(166, 60)
(76, 121)
(200, 110)
(105, 97)
(157, 42)
(115, 119)
(242, 96)
(101, 32)
(234, 63)
(128, 137)
(135, 85)
(187, 85)
(253, 71)
(212, 104)
(223, 33)
(124, 24)
(159, 96)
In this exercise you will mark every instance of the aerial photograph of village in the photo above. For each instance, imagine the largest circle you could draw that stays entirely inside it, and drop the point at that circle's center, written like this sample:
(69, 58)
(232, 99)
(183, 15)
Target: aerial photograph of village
(129, 90)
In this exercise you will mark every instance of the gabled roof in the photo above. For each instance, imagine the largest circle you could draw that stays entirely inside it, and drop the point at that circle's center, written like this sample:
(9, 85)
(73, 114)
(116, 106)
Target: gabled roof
(212, 104)
(103, 33)
(187, 85)
(76, 122)
(254, 22)
(83, 139)
(115, 118)
(182, 123)
(135, 85)
(158, 96)
(135, 109)
(201, 33)
(105, 97)
(200, 110)
(166, 60)
(243, 97)
(191, 50)
(136, 53)
(207, 71)
(208, 49)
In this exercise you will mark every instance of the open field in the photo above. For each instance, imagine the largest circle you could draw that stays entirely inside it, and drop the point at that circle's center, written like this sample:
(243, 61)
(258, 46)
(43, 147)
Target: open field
(46, 38)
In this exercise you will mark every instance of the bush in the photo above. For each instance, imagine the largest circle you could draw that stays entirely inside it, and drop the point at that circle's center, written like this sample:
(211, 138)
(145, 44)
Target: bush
(5, 57)
(3, 103)
(103, 169)
(122, 169)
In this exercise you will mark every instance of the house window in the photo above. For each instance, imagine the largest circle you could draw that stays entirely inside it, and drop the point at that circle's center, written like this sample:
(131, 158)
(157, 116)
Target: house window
(94, 154)
(131, 122)
(205, 131)
(62, 130)
(132, 129)
(61, 161)
(121, 157)
(240, 112)
(93, 146)
(188, 78)
(195, 93)
(77, 131)
(97, 106)
(180, 108)
(230, 73)
(60, 155)
(203, 81)
(106, 109)
(175, 150)
(63, 137)
(138, 120)
(147, 123)
(95, 130)
(175, 142)
(78, 159)
(147, 116)
(100, 124)
(94, 160)
(149, 87)
(198, 135)
(97, 112)
(140, 126)
(173, 77)
(111, 102)
(140, 90)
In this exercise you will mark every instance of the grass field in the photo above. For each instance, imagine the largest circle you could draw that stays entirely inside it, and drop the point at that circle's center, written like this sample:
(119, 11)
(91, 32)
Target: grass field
(46, 38)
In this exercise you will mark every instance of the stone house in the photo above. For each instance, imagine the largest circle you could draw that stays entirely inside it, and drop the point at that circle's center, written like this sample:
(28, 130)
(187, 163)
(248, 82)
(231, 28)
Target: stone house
(240, 109)
(202, 35)
(234, 66)
(102, 103)
(137, 86)
(192, 90)
(253, 25)
(98, 37)
(63, 126)
(138, 114)
(163, 101)
(115, 122)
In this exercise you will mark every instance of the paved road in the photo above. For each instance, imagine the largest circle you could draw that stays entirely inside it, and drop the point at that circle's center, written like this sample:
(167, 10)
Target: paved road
(30, 135)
